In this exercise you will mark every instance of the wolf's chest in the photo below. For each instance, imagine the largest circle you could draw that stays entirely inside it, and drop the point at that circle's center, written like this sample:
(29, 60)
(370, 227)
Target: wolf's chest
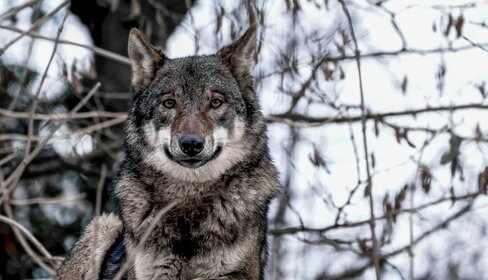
(194, 227)
(197, 239)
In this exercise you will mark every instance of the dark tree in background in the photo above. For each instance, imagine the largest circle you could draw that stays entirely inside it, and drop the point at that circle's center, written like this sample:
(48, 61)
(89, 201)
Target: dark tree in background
(109, 23)
(376, 113)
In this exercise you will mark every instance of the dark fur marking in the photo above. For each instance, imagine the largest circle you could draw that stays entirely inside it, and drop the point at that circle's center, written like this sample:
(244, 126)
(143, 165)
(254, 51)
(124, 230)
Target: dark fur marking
(186, 245)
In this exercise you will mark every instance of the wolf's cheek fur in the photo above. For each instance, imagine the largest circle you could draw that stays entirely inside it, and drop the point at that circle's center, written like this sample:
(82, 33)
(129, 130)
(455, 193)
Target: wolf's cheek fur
(156, 138)
(234, 150)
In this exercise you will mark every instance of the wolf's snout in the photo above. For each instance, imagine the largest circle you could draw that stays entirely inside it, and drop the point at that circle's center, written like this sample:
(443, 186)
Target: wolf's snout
(191, 144)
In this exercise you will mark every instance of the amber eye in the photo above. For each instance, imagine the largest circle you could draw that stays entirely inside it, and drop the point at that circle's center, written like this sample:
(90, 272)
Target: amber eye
(169, 103)
(215, 103)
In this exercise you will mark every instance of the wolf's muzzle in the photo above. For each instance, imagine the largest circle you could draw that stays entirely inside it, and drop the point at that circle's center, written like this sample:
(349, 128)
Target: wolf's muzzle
(191, 144)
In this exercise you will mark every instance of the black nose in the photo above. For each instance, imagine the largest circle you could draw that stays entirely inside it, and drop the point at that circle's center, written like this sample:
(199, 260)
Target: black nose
(191, 144)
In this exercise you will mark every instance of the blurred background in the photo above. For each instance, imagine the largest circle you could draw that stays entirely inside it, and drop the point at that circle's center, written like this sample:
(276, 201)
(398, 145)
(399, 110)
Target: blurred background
(376, 110)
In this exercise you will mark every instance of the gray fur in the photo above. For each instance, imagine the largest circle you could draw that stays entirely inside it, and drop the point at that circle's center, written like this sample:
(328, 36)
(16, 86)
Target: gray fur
(217, 230)
(85, 259)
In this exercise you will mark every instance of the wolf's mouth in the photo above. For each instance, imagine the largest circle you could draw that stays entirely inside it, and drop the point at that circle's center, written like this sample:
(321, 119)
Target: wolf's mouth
(194, 162)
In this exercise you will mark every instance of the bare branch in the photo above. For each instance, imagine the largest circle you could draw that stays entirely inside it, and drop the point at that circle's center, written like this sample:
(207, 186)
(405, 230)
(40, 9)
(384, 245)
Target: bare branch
(58, 117)
(369, 188)
(14, 10)
(28, 234)
(45, 200)
(300, 120)
(97, 50)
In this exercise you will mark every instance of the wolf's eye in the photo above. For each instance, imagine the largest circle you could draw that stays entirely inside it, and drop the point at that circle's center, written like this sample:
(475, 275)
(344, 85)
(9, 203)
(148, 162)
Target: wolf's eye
(169, 103)
(215, 103)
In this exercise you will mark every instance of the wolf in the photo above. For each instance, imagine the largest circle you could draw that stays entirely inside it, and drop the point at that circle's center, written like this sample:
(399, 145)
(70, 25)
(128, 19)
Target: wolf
(196, 151)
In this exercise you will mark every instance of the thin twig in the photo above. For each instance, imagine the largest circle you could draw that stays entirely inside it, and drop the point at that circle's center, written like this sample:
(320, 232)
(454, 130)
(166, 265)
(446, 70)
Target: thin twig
(14, 10)
(97, 50)
(300, 120)
(8, 158)
(45, 200)
(475, 44)
(19, 234)
(58, 117)
(25, 70)
(411, 253)
(86, 130)
(28, 234)
(369, 187)
(34, 26)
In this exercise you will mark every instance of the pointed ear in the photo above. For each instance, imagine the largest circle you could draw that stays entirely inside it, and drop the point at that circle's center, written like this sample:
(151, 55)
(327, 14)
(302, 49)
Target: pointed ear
(239, 56)
(145, 58)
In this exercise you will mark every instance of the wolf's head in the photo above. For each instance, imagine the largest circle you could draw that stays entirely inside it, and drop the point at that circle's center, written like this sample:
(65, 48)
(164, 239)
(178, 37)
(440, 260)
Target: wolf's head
(195, 117)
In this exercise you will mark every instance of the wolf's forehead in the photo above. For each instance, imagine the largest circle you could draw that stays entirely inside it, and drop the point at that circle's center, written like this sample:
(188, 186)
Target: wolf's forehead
(197, 71)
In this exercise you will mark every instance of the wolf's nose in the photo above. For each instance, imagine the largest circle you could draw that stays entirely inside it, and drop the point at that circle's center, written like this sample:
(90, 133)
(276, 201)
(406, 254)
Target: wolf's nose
(191, 144)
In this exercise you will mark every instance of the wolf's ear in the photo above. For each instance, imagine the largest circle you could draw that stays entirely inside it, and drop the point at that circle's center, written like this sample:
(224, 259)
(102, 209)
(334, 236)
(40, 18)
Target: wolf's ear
(145, 59)
(239, 56)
